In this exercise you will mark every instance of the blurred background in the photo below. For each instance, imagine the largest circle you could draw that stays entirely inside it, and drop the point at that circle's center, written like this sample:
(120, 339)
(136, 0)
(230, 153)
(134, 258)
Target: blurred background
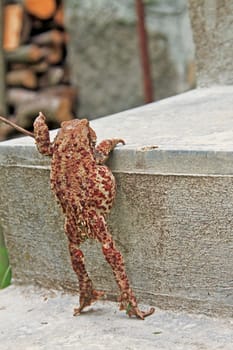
(104, 51)
(91, 58)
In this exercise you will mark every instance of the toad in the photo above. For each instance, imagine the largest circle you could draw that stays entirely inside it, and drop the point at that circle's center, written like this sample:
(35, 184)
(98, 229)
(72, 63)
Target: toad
(85, 189)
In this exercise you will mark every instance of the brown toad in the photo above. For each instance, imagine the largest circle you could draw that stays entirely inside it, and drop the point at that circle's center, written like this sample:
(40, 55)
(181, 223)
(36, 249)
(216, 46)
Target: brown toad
(85, 189)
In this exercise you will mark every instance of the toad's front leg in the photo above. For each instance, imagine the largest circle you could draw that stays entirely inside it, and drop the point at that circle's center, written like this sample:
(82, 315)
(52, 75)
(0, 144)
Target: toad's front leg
(104, 148)
(41, 134)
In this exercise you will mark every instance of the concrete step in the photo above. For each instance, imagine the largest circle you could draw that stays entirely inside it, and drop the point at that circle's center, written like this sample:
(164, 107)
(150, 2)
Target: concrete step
(39, 319)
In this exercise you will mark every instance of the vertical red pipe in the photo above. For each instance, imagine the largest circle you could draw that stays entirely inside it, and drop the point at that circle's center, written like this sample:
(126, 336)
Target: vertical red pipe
(144, 52)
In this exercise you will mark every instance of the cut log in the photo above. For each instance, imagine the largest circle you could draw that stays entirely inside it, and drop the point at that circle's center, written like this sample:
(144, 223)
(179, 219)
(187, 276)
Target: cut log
(66, 76)
(40, 67)
(26, 28)
(53, 76)
(57, 109)
(42, 9)
(13, 23)
(67, 91)
(23, 77)
(26, 54)
(59, 17)
(62, 90)
(17, 66)
(55, 54)
(16, 96)
(50, 37)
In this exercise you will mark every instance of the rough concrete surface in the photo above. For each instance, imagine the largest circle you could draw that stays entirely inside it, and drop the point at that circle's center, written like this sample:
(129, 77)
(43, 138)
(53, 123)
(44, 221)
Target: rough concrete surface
(212, 22)
(37, 319)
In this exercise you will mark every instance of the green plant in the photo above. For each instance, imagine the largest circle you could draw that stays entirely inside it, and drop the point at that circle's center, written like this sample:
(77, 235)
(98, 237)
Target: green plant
(5, 269)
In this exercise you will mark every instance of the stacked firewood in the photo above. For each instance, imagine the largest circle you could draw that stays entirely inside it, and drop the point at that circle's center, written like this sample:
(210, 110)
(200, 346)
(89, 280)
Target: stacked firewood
(37, 74)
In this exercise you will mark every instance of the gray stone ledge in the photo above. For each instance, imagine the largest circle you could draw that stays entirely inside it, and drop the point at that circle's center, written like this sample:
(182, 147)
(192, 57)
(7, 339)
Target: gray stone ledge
(193, 132)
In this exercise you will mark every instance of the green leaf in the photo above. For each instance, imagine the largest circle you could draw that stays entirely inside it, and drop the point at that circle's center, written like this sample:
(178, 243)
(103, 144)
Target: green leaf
(5, 270)
(6, 280)
(4, 262)
(129, 307)
(158, 332)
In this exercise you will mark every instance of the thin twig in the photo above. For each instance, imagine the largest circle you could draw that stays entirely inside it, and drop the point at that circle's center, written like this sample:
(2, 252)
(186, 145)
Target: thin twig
(17, 127)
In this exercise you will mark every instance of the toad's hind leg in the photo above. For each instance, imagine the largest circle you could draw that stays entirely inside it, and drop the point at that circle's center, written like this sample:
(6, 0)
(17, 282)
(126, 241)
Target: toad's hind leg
(88, 294)
(114, 258)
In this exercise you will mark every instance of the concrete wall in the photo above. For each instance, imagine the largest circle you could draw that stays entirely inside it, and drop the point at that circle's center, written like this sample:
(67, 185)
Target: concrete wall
(173, 214)
(212, 22)
(104, 53)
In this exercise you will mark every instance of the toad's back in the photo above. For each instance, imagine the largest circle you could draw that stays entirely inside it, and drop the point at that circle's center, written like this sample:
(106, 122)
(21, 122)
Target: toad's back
(76, 179)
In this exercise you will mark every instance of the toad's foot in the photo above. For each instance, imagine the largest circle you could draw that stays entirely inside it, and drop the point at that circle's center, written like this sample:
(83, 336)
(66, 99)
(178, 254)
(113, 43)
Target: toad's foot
(134, 311)
(87, 298)
(128, 303)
